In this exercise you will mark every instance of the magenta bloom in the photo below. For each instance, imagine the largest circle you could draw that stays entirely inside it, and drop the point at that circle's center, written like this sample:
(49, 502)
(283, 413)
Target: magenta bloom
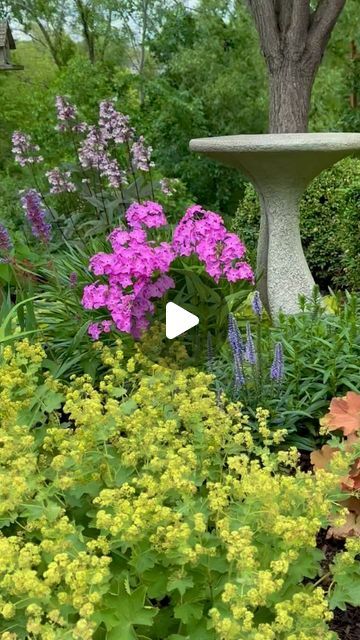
(148, 214)
(36, 215)
(137, 269)
(24, 150)
(204, 234)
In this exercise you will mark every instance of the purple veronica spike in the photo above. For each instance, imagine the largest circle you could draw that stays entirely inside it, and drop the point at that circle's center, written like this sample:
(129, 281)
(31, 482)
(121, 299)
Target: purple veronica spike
(277, 367)
(235, 339)
(5, 241)
(250, 353)
(257, 305)
(73, 279)
(36, 215)
(239, 379)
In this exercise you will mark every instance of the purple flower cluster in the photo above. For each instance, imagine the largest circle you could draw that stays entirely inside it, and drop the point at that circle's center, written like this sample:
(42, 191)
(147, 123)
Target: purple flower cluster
(277, 367)
(148, 214)
(93, 154)
(250, 351)
(237, 348)
(132, 286)
(256, 304)
(204, 233)
(5, 242)
(141, 155)
(36, 215)
(137, 269)
(24, 150)
(114, 125)
(67, 115)
(60, 181)
(166, 187)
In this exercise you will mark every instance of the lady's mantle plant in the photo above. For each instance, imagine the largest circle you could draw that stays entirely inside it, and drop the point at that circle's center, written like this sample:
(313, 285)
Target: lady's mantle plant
(153, 513)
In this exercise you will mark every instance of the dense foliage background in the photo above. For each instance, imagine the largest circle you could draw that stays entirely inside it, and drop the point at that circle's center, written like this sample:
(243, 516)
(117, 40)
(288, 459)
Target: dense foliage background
(182, 71)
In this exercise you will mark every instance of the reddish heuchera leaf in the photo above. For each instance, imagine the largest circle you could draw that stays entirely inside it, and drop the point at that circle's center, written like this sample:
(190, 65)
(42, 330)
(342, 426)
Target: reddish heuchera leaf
(321, 457)
(344, 414)
(351, 528)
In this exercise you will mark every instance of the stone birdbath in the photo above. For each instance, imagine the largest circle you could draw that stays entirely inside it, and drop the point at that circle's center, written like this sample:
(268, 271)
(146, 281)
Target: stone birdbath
(280, 166)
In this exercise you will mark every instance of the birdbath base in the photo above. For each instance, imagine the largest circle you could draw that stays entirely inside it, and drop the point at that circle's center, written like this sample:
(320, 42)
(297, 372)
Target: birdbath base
(280, 166)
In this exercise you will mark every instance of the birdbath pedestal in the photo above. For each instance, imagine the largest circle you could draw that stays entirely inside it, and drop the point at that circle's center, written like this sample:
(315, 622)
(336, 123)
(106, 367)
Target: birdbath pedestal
(280, 166)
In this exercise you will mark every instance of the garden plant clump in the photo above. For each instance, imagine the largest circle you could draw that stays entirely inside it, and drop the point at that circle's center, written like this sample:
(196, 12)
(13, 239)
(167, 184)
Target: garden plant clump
(205, 487)
(151, 511)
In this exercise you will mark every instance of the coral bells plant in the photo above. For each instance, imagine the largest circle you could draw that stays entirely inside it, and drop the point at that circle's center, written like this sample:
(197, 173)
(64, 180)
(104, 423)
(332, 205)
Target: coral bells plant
(138, 270)
(343, 416)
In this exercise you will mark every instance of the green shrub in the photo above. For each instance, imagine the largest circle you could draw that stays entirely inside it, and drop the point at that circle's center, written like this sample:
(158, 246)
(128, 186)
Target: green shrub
(329, 223)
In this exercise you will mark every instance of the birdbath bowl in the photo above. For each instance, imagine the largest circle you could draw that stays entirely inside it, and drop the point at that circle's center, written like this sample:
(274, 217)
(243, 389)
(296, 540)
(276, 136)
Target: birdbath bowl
(280, 166)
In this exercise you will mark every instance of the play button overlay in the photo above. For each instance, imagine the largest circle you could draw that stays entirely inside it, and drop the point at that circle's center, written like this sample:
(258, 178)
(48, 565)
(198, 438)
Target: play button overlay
(178, 320)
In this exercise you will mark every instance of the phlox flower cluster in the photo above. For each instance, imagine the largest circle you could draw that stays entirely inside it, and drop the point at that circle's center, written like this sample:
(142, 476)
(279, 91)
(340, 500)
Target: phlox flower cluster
(60, 181)
(148, 214)
(36, 215)
(93, 154)
(203, 233)
(132, 283)
(24, 150)
(137, 269)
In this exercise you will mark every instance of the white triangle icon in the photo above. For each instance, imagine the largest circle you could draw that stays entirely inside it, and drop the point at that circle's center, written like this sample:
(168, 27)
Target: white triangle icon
(178, 320)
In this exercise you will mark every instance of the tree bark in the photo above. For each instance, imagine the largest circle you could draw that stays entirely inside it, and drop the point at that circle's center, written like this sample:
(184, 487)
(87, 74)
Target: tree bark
(84, 15)
(293, 39)
(290, 92)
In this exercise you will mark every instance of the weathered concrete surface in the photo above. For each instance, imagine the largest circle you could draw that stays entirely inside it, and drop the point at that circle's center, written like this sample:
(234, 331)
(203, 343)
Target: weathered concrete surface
(280, 166)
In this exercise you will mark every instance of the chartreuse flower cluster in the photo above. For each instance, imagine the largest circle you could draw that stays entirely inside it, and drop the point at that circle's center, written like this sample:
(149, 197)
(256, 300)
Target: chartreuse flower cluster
(147, 510)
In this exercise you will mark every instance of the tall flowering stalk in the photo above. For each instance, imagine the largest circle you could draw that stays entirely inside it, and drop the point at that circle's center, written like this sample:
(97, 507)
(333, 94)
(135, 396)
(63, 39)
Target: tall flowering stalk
(253, 377)
(5, 243)
(277, 367)
(36, 215)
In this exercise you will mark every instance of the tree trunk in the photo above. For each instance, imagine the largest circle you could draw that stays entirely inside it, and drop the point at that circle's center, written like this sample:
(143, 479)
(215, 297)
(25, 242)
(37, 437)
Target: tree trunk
(293, 37)
(290, 92)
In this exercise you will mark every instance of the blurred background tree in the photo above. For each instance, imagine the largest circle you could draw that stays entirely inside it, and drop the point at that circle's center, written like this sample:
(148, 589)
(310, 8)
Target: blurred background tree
(179, 70)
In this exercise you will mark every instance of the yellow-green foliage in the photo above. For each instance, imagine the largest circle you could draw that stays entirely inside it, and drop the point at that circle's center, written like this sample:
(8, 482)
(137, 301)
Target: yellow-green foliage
(148, 511)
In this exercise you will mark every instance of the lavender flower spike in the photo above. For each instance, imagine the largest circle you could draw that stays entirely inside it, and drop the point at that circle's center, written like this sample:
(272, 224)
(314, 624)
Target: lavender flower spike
(5, 242)
(250, 353)
(277, 367)
(235, 339)
(239, 379)
(257, 305)
(36, 215)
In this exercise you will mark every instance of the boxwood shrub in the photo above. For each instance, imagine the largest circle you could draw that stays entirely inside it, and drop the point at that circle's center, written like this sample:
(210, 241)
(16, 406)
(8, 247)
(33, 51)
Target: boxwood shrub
(329, 222)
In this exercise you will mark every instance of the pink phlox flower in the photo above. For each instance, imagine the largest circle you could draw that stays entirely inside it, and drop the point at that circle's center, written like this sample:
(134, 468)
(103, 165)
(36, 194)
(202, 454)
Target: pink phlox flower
(148, 214)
